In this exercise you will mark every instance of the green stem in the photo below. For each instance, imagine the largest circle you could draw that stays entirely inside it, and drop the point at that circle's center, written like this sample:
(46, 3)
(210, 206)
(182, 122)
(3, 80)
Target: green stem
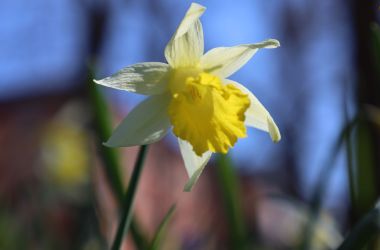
(322, 185)
(161, 230)
(103, 130)
(364, 232)
(126, 217)
(350, 170)
(230, 188)
(109, 156)
(365, 167)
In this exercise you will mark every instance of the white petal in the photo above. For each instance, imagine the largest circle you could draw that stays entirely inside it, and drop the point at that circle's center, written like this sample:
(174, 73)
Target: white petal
(193, 163)
(145, 124)
(224, 61)
(186, 46)
(144, 78)
(257, 116)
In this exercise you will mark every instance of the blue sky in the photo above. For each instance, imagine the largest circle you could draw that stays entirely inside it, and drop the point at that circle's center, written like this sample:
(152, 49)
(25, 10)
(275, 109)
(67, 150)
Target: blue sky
(43, 48)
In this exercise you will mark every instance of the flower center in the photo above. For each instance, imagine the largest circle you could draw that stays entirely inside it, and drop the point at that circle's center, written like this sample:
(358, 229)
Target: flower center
(205, 112)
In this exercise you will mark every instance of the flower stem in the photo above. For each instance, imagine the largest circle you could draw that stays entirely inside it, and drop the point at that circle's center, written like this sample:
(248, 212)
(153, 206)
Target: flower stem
(126, 217)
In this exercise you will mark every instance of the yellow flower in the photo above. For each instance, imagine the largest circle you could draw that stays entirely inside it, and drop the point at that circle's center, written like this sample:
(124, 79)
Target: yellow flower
(191, 95)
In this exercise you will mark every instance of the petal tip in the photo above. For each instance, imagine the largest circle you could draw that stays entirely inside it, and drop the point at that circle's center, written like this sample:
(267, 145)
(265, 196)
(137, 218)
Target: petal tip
(272, 44)
(97, 81)
(111, 143)
(198, 7)
(195, 176)
(194, 12)
(276, 43)
(276, 139)
(102, 82)
(273, 130)
(194, 164)
(107, 144)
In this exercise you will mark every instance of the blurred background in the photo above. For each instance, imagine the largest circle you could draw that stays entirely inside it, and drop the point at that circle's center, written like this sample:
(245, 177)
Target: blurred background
(61, 189)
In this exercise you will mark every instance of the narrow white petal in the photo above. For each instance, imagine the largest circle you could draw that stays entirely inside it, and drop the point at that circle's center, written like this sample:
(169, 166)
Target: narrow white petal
(145, 124)
(148, 78)
(193, 163)
(257, 116)
(186, 47)
(224, 61)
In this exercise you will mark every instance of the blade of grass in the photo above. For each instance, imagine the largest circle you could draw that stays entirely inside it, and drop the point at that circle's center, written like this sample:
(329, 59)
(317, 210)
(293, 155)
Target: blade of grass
(375, 29)
(103, 129)
(129, 199)
(350, 166)
(322, 185)
(364, 232)
(109, 156)
(160, 232)
(365, 168)
(230, 189)
(367, 140)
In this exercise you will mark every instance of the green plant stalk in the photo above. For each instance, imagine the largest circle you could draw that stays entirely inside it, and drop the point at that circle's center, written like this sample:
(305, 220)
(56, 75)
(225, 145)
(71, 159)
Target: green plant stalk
(322, 184)
(375, 29)
(109, 156)
(364, 232)
(365, 176)
(350, 166)
(367, 139)
(158, 236)
(230, 189)
(126, 217)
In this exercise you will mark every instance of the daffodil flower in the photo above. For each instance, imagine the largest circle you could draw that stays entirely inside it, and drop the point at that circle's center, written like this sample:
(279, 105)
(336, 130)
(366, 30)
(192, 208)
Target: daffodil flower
(191, 96)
